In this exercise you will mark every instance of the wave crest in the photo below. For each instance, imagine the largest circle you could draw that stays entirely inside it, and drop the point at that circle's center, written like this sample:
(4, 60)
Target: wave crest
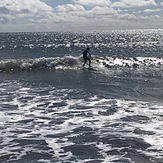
(69, 62)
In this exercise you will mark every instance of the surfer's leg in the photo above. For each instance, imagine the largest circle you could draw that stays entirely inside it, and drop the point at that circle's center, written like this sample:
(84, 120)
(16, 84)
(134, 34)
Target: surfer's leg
(85, 61)
(89, 62)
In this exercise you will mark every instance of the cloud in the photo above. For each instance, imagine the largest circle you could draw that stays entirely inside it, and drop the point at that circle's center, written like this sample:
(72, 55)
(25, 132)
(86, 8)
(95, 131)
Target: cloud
(69, 7)
(33, 6)
(93, 2)
(152, 10)
(22, 10)
(79, 14)
(134, 3)
(97, 10)
(127, 16)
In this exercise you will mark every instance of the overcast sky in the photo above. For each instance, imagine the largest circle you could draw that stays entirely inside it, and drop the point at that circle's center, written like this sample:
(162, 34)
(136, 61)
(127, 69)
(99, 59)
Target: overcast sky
(52, 15)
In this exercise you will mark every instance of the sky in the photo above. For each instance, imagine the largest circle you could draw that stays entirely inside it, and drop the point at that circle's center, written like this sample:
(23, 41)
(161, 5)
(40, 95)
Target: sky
(77, 15)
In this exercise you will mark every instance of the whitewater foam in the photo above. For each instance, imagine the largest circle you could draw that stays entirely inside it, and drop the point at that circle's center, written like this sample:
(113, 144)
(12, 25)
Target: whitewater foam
(95, 123)
(69, 62)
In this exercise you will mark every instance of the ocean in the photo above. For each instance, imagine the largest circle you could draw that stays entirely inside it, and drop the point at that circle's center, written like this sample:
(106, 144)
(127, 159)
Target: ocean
(52, 110)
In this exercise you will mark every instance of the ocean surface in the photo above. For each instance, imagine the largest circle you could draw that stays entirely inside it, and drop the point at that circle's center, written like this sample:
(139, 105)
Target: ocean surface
(52, 110)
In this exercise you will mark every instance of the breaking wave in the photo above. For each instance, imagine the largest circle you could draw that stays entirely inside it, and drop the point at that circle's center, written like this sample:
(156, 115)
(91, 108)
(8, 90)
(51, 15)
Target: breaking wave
(38, 64)
(69, 62)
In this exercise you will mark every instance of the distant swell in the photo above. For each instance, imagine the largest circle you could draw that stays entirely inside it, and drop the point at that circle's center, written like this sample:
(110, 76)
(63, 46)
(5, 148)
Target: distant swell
(69, 62)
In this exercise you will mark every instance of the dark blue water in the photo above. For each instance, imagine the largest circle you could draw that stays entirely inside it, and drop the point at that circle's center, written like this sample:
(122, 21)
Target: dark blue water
(52, 110)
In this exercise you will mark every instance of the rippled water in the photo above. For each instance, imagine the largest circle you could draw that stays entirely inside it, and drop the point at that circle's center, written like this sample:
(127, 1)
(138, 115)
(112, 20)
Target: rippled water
(52, 110)
(112, 43)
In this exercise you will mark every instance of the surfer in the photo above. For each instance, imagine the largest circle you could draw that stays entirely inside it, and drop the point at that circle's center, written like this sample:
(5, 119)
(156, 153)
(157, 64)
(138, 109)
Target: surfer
(86, 58)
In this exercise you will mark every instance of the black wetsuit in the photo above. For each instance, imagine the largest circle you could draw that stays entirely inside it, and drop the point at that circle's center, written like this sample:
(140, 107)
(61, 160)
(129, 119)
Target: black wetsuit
(86, 58)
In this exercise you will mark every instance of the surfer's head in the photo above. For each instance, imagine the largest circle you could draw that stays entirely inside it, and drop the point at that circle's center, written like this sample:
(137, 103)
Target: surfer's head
(88, 48)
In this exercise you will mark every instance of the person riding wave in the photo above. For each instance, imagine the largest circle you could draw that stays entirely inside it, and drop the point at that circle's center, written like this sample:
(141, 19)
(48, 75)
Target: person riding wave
(86, 58)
